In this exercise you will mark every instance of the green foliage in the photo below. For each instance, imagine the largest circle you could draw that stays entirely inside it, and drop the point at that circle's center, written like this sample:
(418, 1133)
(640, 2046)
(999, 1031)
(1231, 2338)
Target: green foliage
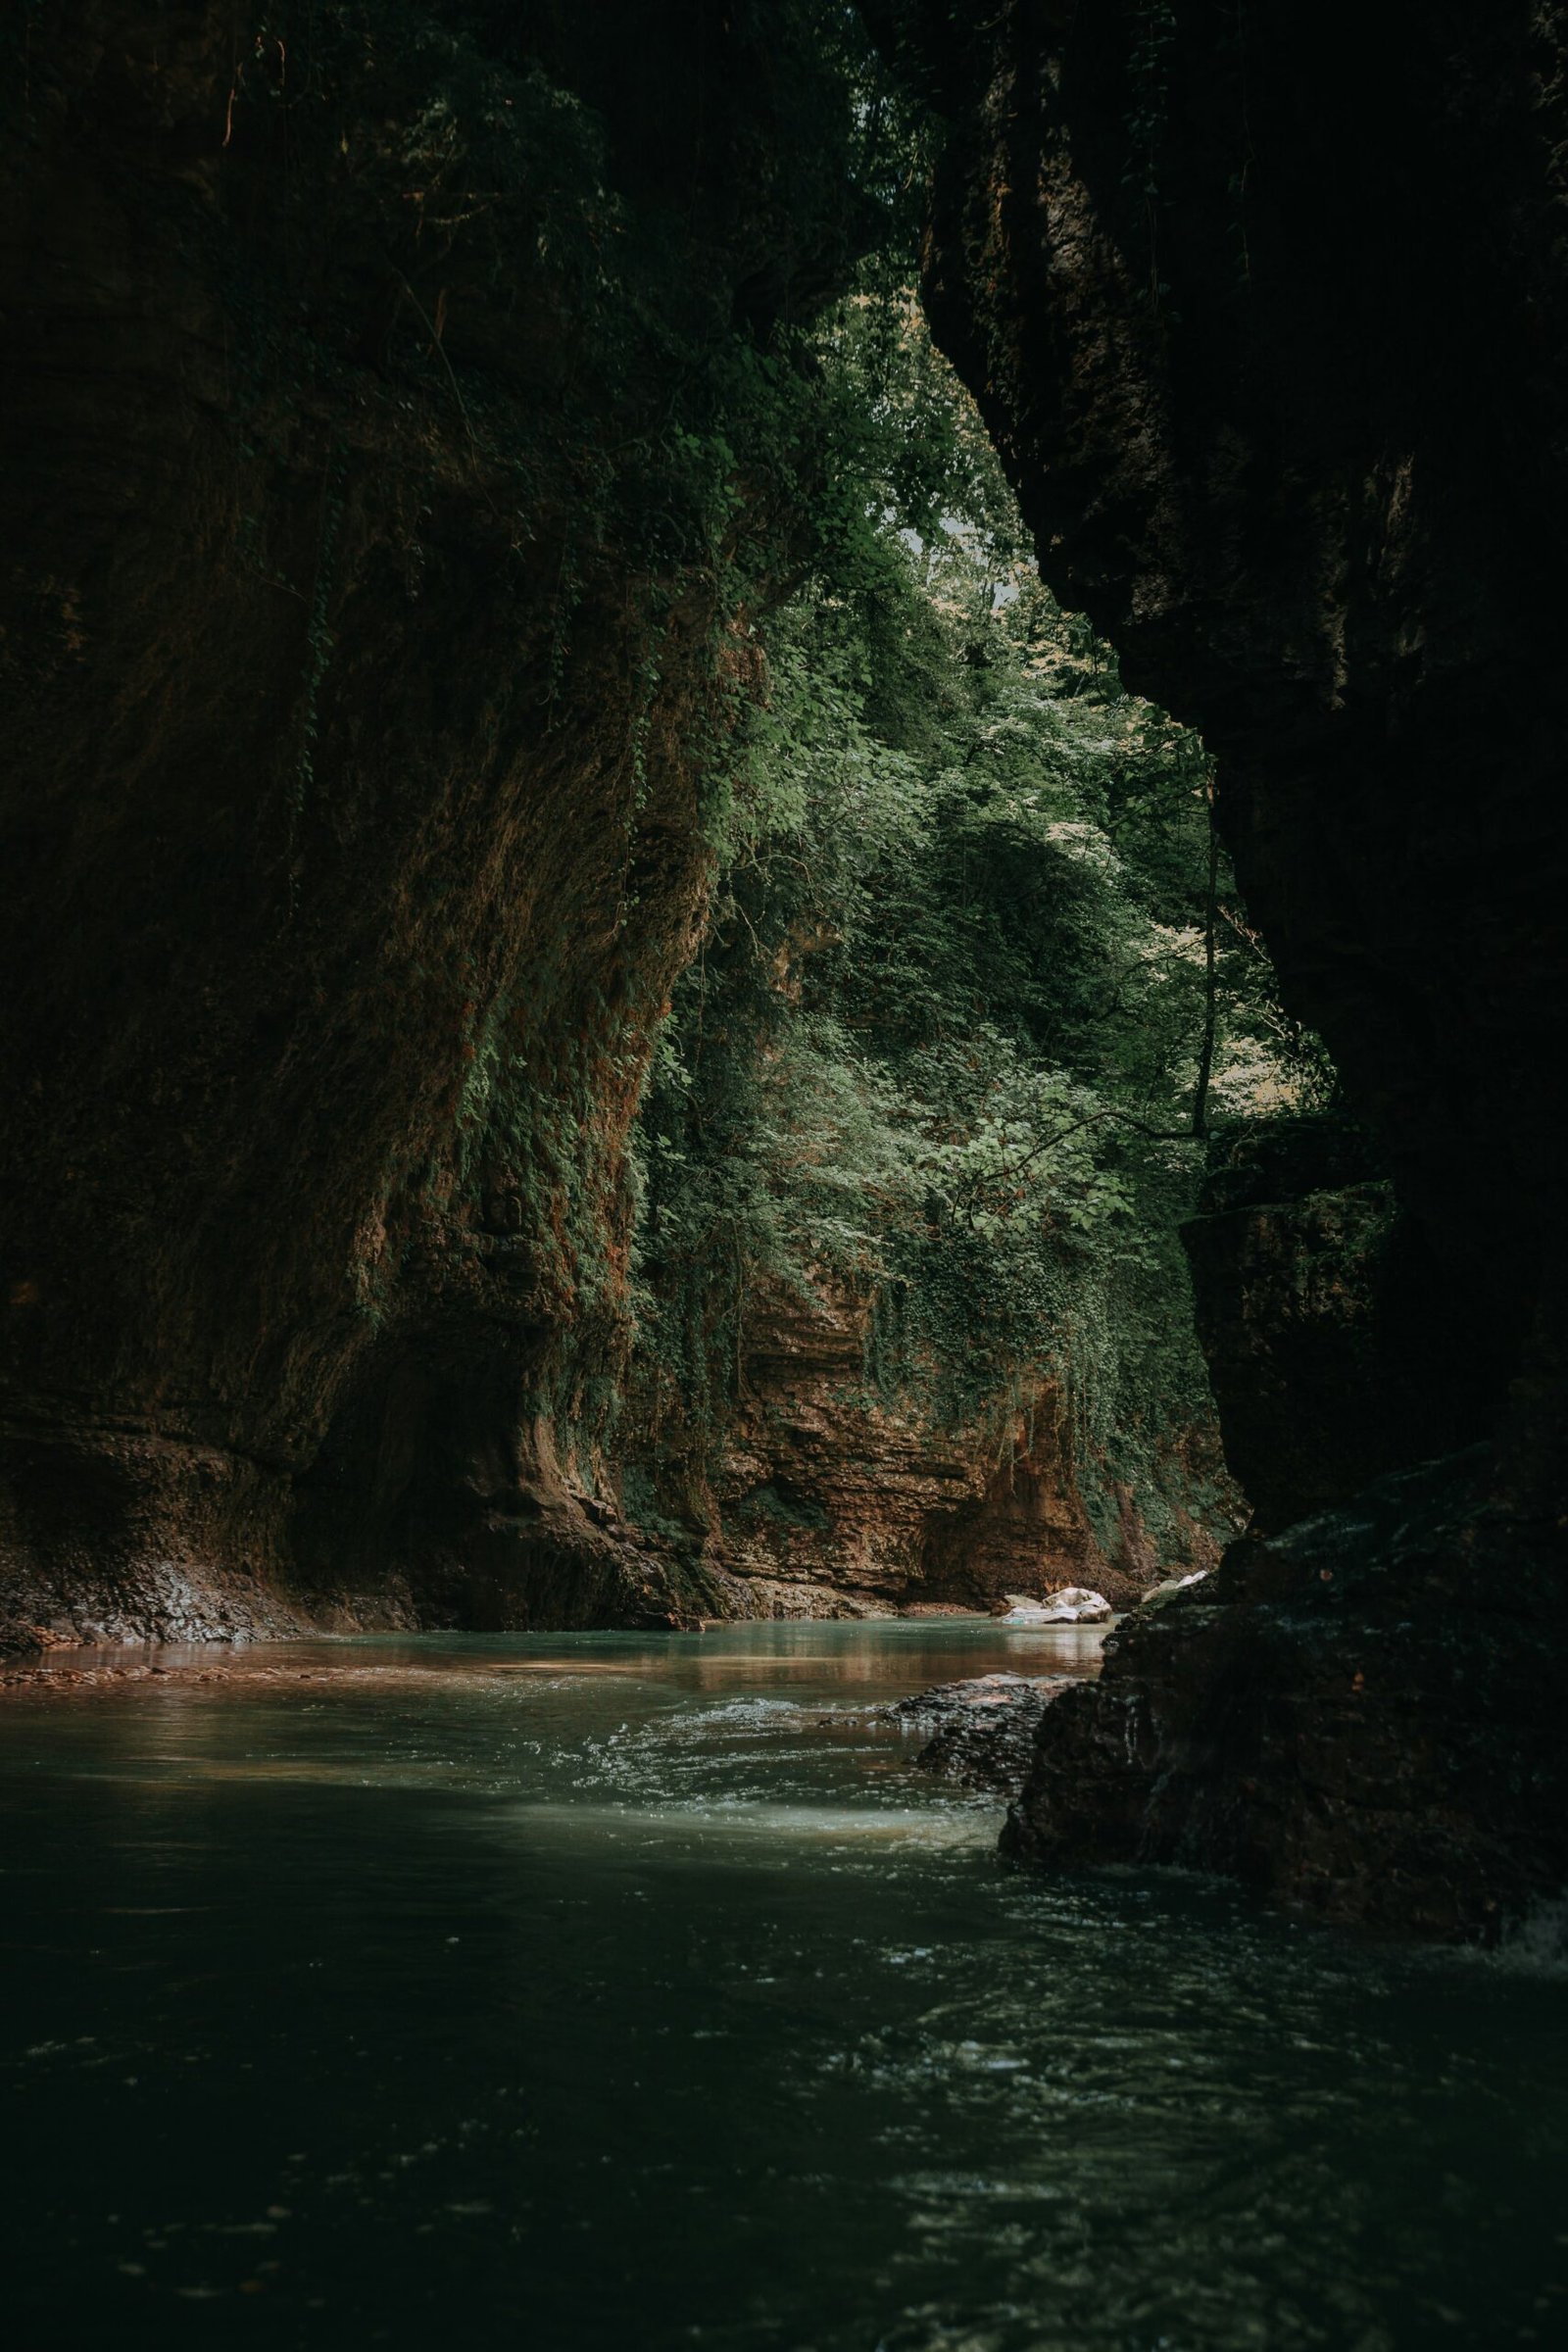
(940, 1047)
(943, 1043)
(580, 356)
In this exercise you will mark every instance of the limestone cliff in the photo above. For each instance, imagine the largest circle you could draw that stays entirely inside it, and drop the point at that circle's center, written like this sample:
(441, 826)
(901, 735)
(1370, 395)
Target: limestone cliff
(368, 637)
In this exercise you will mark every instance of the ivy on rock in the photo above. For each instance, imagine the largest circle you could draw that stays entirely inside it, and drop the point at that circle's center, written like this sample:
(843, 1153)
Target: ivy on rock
(975, 986)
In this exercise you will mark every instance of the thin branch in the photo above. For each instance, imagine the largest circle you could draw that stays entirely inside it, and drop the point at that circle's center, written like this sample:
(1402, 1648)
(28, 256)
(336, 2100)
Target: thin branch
(1206, 1059)
(441, 353)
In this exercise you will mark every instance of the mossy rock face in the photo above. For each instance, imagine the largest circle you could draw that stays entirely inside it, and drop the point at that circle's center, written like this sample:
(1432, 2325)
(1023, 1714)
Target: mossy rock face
(378, 415)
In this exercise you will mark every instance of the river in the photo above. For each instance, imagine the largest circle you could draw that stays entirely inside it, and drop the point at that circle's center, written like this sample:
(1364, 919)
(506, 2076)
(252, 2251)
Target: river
(610, 1991)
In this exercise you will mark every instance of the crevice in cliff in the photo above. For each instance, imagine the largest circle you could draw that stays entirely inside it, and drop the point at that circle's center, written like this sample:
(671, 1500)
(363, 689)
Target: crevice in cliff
(976, 998)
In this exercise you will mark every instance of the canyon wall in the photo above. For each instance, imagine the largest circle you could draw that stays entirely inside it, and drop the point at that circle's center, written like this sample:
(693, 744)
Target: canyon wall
(829, 1499)
(1267, 312)
(372, 635)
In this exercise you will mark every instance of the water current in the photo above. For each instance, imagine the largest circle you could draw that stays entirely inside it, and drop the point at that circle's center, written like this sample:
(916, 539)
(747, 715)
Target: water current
(603, 1991)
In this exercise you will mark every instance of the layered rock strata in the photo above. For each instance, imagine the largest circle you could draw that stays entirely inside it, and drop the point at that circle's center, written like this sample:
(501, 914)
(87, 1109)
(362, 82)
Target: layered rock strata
(825, 1488)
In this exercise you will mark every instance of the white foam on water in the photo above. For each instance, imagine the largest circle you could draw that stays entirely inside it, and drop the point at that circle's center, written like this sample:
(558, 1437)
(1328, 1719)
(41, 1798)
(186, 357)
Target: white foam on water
(1536, 1945)
(755, 1821)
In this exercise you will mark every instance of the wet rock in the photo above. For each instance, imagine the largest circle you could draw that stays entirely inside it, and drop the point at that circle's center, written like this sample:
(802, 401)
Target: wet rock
(784, 1598)
(983, 1729)
(1361, 1716)
(1069, 1605)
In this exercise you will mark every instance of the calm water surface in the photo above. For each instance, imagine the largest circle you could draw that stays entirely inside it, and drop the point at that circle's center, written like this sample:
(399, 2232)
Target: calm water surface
(601, 1991)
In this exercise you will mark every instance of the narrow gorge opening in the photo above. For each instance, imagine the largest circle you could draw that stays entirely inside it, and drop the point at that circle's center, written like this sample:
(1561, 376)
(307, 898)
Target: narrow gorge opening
(976, 1007)
(678, 1098)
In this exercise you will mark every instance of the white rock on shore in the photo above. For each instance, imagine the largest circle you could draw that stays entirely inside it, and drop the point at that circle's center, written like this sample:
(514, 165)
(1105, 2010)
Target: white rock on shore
(1072, 1604)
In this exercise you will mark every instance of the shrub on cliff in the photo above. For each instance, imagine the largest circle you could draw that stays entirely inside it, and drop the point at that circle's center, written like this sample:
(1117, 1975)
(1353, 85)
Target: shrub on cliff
(956, 1033)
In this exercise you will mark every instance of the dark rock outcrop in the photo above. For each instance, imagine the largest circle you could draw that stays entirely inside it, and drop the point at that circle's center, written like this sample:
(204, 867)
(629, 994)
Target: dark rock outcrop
(1362, 1716)
(1275, 346)
(1325, 1320)
(983, 1729)
(365, 644)
(1269, 313)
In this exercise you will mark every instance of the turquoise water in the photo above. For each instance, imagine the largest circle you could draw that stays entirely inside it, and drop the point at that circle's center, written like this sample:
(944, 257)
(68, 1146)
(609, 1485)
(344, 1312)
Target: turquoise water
(609, 1991)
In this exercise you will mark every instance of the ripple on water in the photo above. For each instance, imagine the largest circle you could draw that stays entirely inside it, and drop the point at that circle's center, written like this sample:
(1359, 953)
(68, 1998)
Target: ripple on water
(644, 1994)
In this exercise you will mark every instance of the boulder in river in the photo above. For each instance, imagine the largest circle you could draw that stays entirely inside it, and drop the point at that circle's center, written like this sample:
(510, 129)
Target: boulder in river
(1070, 1605)
(983, 1731)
